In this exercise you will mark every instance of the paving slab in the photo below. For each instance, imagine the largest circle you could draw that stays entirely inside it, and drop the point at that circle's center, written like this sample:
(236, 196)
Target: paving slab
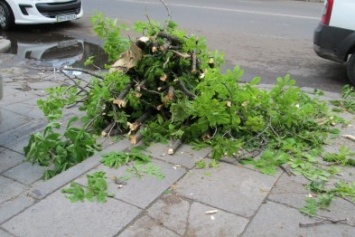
(232, 188)
(139, 191)
(189, 218)
(185, 155)
(10, 189)
(278, 220)
(5, 234)
(340, 209)
(25, 173)
(10, 120)
(290, 190)
(171, 211)
(12, 95)
(220, 224)
(56, 216)
(147, 227)
(9, 159)
(13, 207)
(30, 110)
(18, 144)
(19, 134)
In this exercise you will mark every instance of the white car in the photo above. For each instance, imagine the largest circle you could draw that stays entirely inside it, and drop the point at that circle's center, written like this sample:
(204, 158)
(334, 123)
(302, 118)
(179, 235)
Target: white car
(334, 38)
(38, 11)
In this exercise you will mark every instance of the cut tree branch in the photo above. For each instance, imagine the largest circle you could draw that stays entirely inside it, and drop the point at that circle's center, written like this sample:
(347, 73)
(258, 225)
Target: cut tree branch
(83, 71)
(174, 147)
(324, 220)
(134, 126)
(174, 40)
(135, 138)
(120, 99)
(193, 62)
(108, 129)
(185, 90)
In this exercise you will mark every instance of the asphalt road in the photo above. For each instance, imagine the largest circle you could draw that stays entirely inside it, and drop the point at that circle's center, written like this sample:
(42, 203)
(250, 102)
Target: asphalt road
(267, 38)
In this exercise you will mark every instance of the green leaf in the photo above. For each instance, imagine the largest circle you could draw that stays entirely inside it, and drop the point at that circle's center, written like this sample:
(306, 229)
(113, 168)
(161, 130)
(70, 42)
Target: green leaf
(75, 192)
(115, 159)
(310, 208)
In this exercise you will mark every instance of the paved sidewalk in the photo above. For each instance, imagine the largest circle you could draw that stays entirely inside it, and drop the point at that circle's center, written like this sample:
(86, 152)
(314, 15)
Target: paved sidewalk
(247, 203)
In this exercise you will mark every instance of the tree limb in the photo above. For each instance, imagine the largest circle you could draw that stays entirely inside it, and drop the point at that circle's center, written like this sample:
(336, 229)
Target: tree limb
(120, 99)
(83, 71)
(185, 90)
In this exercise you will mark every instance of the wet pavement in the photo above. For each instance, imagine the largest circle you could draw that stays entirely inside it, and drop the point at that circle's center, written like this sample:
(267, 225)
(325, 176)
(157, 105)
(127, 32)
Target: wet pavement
(41, 48)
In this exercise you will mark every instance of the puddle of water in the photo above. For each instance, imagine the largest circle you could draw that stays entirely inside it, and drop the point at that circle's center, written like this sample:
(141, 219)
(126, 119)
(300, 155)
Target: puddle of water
(53, 50)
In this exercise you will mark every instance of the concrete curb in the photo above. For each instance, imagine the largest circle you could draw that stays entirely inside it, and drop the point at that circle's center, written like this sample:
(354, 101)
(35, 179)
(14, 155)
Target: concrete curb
(5, 44)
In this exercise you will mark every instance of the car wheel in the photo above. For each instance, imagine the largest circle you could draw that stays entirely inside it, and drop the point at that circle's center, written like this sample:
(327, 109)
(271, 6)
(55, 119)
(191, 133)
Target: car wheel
(6, 16)
(351, 69)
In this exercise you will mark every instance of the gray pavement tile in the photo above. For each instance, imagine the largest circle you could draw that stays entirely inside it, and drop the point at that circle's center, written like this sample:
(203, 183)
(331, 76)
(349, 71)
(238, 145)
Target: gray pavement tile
(190, 219)
(5, 234)
(13, 207)
(25, 173)
(20, 133)
(139, 191)
(348, 130)
(340, 209)
(347, 174)
(219, 224)
(9, 159)
(9, 189)
(41, 83)
(335, 144)
(278, 220)
(18, 143)
(290, 190)
(147, 227)
(26, 109)
(171, 211)
(233, 188)
(11, 120)
(56, 216)
(11, 95)
(185, 155)
(43, 188)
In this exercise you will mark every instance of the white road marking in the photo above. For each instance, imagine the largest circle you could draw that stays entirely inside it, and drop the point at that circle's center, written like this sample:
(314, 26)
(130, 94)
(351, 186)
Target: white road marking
(227, 10)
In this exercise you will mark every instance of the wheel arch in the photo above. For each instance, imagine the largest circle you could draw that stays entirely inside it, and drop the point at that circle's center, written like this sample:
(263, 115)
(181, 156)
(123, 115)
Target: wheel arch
(347, 47)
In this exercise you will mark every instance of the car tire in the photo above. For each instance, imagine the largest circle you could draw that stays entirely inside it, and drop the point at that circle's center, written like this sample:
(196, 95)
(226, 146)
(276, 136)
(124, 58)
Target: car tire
(6, 16)
(351, 69)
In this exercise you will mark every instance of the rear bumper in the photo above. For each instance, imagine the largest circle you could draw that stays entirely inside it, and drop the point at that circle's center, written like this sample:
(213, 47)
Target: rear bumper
(331, 42)
(327, 54)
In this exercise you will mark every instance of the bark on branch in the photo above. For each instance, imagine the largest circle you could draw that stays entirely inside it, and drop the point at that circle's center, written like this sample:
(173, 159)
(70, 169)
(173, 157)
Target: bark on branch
(174, 147)
(185, 90)
(134, 126)
(120, 99)
(174, 40)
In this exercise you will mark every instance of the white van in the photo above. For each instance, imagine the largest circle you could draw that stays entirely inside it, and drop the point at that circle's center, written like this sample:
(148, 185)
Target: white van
(334, 38)
(38, 11)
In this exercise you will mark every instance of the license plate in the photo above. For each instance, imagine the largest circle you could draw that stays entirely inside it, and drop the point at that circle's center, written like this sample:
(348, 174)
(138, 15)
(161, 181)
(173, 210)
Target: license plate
(67, 43)
(62, 18)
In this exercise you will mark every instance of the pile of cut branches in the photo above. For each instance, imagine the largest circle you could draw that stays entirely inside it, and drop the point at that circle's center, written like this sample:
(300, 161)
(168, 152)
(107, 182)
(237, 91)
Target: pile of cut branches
(160, 70)
(166, 85)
